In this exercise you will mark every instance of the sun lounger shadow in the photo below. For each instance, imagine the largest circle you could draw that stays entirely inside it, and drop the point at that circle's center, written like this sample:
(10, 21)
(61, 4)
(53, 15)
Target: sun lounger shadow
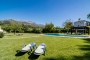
(19, 53)
(26, 49)
(33, 56)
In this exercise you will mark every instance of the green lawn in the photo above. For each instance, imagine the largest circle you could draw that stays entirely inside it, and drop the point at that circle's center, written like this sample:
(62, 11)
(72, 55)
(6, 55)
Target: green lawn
(57, 48)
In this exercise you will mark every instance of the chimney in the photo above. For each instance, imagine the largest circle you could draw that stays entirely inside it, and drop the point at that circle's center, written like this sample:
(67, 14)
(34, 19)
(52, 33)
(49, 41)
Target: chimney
(79, 19)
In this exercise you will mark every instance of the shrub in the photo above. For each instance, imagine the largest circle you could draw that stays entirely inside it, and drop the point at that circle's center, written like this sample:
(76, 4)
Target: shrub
(1, 34)
(57, 31)
(37, 30)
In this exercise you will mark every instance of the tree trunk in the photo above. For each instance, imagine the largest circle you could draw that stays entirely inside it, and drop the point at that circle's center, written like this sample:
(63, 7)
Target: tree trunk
(14, 32)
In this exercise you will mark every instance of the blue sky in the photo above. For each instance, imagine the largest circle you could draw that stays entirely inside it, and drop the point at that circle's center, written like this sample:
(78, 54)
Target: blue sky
(45, 11)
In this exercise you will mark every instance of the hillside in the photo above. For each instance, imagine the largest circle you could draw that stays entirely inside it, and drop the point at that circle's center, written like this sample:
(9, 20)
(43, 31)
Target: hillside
(31, 23)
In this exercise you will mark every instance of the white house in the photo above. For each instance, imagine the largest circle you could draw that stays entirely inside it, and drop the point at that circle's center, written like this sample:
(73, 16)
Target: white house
(81, 23)
(1, 29)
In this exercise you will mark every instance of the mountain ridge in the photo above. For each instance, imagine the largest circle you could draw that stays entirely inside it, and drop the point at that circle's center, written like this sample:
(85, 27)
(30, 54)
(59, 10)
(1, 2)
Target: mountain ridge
(31, 23)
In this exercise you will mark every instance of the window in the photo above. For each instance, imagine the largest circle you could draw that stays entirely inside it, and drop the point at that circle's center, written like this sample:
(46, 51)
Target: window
(78, 25)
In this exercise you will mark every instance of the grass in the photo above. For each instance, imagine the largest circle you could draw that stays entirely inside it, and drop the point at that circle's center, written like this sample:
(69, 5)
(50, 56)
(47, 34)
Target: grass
(57, 48)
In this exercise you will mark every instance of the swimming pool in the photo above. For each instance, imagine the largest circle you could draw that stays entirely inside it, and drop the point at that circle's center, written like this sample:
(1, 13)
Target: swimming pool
(68, 35)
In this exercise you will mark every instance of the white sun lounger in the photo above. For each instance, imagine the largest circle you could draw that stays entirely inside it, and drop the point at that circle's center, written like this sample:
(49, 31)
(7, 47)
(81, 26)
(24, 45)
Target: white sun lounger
(40, 49)
(28, 47)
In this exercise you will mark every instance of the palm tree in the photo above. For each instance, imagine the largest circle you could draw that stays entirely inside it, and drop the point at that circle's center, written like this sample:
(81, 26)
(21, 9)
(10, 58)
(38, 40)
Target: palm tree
(88, 16)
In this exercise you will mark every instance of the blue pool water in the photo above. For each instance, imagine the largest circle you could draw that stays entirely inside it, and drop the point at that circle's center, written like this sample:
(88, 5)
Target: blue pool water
(67, 35)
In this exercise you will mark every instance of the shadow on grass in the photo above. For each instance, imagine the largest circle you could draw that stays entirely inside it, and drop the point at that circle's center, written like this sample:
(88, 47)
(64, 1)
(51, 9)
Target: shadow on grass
(60, 58)
(85, 56)
(19, 53)
(86, 47)
(33, 56)
(87, 40)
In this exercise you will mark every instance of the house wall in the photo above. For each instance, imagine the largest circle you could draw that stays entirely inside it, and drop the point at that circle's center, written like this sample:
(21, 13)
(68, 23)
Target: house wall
(1, 29)
(80, 23)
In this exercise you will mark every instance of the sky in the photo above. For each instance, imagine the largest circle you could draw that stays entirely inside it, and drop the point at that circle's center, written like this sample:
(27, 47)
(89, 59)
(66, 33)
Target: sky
(45, 11)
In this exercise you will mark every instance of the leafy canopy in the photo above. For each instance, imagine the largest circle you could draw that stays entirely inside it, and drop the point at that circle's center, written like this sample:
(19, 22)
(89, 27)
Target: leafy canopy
(68, 24)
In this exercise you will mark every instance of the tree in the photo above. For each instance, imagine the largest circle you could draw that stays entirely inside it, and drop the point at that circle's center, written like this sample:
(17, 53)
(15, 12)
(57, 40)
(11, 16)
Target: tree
(48, 28)
(1, 23)
(68, 24)
(15, 27)
(6, 27)
(88, 16)
(25, 28)
(37, 30)
(57, 29)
